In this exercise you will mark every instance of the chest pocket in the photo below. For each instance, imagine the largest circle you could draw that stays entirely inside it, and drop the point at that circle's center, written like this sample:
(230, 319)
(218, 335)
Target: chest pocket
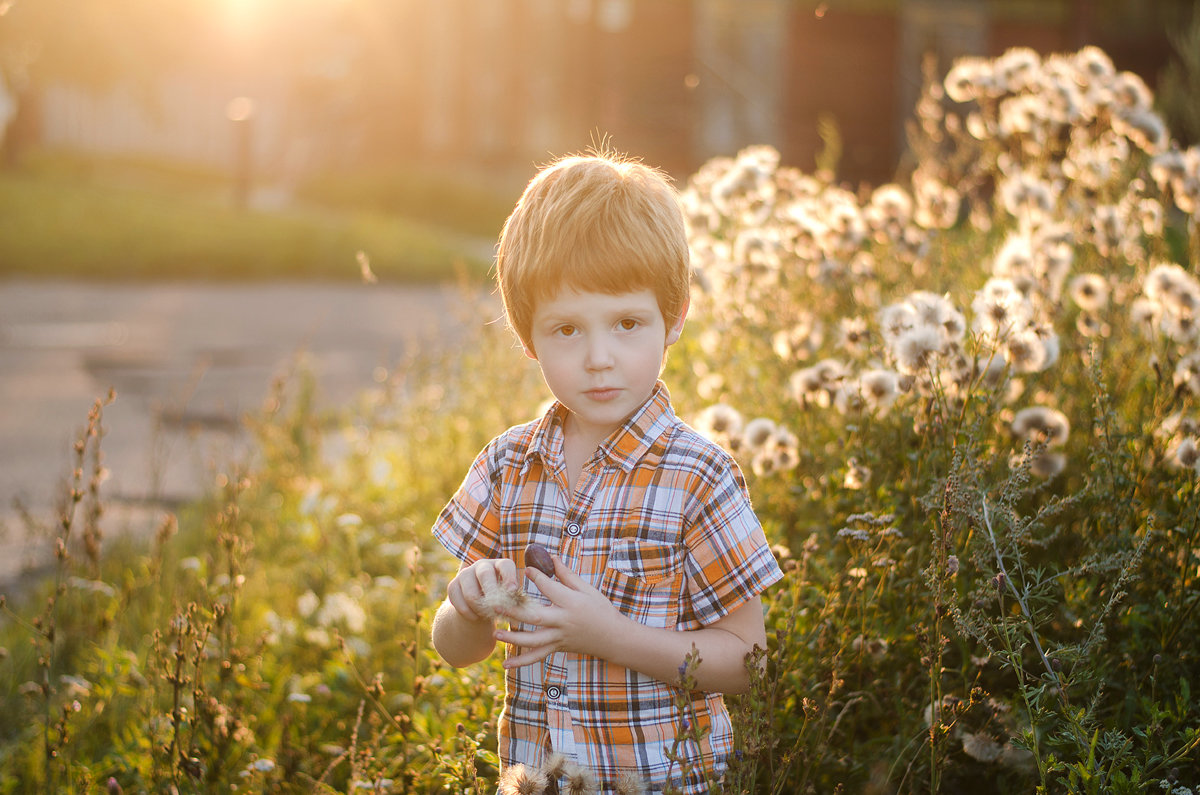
(644, 580)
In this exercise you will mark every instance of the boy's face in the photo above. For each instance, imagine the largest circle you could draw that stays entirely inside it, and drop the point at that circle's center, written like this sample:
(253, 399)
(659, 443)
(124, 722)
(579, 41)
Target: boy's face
(600, 354)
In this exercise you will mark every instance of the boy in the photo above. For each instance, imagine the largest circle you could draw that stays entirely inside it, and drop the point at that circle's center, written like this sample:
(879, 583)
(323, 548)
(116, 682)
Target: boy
(656, 547)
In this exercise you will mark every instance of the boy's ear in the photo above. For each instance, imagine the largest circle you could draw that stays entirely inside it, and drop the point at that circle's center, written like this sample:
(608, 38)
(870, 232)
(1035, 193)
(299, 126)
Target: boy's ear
(529, 351)
(676, 329)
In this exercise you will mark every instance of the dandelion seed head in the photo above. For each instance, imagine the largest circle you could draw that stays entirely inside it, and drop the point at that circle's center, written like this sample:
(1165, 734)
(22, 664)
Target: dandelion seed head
(630, 783)
(895, 320)
(579, 780)
(937, 204)
(1023, 194)
(857, 476)
(1144, 127)
(819, 383)
(801, 340)
(1000, 309)
(968, 78)
(1090, 325)
(1184, 453)
(1016, 69)
(1029, 352)
(849, 398)
(501, 599)
(764, 463)
(719, 422)
(1047, 464)
(1187, 373)
(854, 334)
(935, 310)
(758, 432)
(522, 780)
(1089, 291)
(981, 747)
(916, 350)
(879, 388)
(1094, 63)
(1041, 424)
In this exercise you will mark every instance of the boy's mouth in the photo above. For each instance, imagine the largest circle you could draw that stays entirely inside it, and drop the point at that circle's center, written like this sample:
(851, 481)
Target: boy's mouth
(603, 394)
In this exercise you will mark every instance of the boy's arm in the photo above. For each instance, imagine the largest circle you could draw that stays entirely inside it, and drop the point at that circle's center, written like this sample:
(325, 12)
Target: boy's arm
(461, 634)
(580, 619)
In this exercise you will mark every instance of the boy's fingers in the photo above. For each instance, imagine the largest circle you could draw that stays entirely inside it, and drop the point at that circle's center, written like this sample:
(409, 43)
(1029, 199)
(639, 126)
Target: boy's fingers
(528, 657)
(529, 614)
(462, 605)
(554, 591)
(506, 572)
(568, 577)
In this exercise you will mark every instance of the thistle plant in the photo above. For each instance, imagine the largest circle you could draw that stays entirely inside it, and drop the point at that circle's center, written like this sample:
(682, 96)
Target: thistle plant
(966, 403)
(997, 352)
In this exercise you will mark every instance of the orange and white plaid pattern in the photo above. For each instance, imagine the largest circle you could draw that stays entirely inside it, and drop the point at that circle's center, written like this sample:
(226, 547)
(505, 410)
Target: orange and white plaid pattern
(661, 524)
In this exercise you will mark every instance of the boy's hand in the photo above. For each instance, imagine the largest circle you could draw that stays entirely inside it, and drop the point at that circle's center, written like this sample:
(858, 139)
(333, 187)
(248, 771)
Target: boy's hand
(578, 619)
(466, 591)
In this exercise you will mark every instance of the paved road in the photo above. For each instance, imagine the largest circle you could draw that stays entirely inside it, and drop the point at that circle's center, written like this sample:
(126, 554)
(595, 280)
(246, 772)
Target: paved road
(186, 362)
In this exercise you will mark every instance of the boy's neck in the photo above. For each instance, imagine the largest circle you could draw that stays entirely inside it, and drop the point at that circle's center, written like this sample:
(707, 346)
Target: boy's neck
(579, 445)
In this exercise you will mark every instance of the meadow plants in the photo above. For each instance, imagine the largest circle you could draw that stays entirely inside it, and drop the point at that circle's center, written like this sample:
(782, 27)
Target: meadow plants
(969, 402)
(966, 402)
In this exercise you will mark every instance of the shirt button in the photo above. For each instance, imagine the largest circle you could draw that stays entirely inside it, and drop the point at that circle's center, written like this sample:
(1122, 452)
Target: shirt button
(573, 529)
(553, 692)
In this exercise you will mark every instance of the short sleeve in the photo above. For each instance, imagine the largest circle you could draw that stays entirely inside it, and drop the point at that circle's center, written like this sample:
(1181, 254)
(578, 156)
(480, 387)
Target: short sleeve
(729, 561)
(469, 525)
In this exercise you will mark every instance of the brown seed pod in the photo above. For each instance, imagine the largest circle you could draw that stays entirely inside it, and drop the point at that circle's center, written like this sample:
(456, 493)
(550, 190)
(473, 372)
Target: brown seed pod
(537, 556)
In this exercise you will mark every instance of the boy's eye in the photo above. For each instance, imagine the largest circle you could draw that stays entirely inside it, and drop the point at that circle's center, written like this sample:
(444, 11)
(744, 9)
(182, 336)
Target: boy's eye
(566, 331)
(628, 324)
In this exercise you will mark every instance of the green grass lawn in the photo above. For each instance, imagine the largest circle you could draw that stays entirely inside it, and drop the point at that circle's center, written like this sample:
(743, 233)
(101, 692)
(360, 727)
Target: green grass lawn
(64, 217)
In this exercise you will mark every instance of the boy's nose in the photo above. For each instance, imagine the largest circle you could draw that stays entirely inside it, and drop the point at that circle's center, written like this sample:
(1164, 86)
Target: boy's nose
(599, 355)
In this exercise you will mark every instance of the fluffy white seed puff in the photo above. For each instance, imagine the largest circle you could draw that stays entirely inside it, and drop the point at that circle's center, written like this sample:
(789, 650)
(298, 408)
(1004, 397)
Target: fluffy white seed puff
(499, 599)
(523, 780)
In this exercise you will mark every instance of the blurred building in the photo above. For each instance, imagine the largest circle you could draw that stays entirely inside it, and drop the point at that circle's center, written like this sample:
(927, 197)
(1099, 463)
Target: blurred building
(503, 84)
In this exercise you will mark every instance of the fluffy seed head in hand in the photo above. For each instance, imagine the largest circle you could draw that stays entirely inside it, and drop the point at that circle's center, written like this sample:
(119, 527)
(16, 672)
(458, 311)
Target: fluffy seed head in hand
(500, 598)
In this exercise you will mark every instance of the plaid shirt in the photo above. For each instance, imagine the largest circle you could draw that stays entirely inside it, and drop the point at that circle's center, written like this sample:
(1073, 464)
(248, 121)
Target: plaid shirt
(660, 522)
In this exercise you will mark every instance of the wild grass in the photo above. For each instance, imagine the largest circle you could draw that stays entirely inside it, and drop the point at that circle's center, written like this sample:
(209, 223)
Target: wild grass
(976, 462)
(64, 216)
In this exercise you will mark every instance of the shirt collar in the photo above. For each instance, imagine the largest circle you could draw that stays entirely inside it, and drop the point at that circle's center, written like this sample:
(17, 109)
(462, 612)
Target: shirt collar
(625, 447)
